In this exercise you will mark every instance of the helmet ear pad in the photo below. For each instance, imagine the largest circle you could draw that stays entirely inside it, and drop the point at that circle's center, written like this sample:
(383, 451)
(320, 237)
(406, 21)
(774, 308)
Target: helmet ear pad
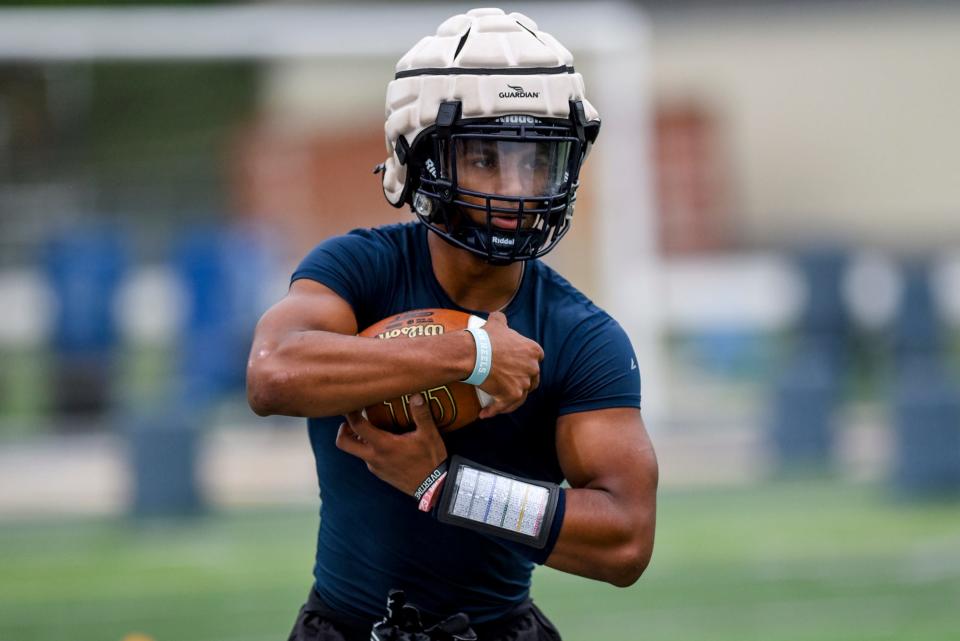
(420, 160)
(592, 130)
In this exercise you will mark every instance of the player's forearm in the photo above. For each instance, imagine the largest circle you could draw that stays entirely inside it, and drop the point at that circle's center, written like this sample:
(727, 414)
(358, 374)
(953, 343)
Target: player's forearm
(602, 540)
(314, 373)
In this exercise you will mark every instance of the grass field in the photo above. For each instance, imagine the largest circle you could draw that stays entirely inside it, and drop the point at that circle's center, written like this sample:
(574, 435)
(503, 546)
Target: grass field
(797, 562)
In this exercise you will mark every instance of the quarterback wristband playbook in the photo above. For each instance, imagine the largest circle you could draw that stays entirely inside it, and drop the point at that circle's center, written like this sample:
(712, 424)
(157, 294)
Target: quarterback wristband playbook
(481, 368)
(519, 510)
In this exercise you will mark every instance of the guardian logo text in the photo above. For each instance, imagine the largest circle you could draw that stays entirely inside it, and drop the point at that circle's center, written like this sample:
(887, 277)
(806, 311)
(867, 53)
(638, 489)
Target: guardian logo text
(516, 91)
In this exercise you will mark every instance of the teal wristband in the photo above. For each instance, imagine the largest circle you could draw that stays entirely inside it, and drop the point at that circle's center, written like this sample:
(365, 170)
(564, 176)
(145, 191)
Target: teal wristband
(481, 368)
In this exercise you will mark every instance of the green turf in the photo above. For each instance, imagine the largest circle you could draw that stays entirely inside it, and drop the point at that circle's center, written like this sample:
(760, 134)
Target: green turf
(810, 562)
(23, 379)
(790, 562)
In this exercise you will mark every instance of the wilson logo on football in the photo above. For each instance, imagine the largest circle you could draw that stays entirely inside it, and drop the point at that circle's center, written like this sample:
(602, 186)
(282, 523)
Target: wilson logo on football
(413, 331)
(518, 92)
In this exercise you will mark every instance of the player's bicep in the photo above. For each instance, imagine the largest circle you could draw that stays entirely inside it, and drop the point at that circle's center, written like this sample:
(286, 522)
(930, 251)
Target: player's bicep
(608, 449)
(611, 512)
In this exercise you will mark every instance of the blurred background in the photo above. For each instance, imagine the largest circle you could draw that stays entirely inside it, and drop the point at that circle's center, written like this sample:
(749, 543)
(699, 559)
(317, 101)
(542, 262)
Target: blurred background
(772, 211)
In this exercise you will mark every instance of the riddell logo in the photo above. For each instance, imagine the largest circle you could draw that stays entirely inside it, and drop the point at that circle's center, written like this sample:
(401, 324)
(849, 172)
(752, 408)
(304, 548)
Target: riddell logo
(518, 120)
(518, 92)
(498, 240)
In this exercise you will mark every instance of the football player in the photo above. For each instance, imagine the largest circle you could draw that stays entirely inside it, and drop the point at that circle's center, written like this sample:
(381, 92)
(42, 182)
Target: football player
(487, 127)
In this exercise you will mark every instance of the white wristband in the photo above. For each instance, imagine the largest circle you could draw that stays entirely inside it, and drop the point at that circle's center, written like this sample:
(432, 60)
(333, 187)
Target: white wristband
(481, 368)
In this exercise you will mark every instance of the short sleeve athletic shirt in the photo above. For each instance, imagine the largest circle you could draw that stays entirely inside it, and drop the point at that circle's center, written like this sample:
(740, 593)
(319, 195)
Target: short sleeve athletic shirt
(372, 537)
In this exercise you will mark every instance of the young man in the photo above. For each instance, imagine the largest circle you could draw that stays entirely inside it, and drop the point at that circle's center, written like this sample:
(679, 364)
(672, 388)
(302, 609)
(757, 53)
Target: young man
(487, 127)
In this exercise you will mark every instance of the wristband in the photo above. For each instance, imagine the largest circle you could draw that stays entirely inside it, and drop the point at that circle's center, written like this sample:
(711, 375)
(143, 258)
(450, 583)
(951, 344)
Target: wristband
(430, 484)
(481, 368)
(432, 495)
(483, 499)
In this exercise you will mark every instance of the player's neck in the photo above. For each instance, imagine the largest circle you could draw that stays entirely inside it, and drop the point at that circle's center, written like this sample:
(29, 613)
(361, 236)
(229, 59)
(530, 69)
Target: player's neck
(470, 281)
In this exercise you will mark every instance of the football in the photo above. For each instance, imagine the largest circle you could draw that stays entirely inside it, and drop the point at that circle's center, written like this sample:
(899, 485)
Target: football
(453, 405)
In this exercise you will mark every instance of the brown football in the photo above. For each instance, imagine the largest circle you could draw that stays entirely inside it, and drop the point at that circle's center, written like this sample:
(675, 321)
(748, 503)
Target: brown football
(453, 405)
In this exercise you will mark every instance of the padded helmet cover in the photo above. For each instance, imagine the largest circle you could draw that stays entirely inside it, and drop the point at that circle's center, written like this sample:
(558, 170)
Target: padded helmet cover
(494, 64)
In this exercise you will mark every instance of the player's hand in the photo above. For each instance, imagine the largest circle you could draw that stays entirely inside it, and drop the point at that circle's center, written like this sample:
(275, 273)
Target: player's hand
(515, 371)
(402, 460)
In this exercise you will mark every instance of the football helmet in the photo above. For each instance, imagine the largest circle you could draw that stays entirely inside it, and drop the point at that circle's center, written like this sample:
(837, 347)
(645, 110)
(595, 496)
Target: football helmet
(487, 127)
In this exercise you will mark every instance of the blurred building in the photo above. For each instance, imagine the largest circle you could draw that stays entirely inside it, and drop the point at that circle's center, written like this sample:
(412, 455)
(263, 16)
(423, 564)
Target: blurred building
(808, 120)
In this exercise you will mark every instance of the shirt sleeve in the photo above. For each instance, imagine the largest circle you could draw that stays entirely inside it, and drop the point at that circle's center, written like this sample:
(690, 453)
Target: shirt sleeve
(355, 266)
(602, 370)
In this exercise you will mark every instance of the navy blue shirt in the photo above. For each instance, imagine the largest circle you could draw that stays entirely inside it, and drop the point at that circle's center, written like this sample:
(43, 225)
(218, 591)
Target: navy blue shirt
(372, 537)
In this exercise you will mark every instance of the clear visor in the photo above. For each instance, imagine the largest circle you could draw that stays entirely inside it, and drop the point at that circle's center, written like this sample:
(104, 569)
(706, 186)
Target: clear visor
(511, 168)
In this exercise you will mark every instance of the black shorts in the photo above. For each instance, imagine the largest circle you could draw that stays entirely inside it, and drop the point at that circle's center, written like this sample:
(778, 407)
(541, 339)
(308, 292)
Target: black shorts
(317, 622)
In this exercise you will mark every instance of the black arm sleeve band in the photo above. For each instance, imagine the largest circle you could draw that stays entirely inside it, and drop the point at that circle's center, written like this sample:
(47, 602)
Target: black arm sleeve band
(519, 510)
